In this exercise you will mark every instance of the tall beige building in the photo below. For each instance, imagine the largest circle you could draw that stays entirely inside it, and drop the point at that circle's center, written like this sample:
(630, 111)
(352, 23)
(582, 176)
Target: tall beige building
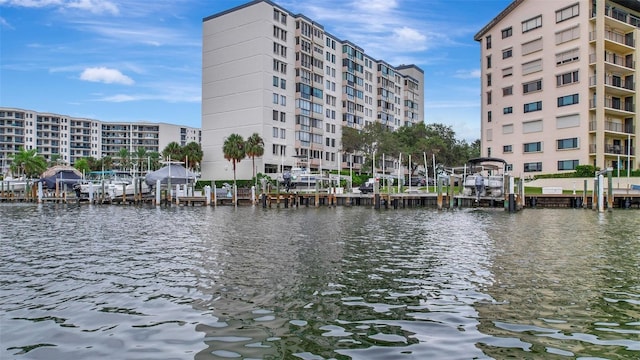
(281, 75)
(558, 85)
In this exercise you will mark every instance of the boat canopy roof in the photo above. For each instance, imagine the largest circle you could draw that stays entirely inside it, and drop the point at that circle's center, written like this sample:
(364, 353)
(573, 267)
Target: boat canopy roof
(481, 160)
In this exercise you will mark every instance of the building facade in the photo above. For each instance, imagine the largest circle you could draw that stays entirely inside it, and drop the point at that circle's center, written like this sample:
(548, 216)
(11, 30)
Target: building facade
(268, 71)
(558, 85)
(69, 138)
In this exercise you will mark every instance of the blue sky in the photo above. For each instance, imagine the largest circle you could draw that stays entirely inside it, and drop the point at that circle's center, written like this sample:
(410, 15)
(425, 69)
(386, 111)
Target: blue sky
(140, 60)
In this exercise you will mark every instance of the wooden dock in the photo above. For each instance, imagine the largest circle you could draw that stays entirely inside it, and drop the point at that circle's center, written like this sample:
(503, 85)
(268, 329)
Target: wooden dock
(378, 201)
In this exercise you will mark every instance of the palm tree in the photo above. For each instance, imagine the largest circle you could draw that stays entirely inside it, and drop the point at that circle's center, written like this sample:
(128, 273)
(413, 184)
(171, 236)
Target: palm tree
(141, 154)
(193, 154)
(255, 147)
(172, 151)
(234, 150)
(28, 163)
(124, 155)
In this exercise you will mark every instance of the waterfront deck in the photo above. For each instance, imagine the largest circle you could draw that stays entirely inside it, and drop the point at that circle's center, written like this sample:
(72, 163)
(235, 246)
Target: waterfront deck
(378, 201)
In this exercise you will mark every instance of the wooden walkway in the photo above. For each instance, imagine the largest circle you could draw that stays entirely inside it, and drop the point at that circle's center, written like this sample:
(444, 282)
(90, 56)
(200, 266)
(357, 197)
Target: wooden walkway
(382, 201)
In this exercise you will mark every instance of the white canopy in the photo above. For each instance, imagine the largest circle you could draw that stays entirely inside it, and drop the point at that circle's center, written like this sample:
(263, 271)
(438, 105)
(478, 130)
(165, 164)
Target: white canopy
(177, 173)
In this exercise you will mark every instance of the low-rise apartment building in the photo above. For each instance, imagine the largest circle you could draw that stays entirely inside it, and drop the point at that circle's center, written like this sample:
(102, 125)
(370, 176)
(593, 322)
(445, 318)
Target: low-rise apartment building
(559, 85)
(71, 138)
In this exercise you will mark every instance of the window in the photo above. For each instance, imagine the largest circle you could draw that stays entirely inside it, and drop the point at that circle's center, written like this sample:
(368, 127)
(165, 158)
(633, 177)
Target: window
(275, 115)
(275, 81)
(567, 13)
(275, 98)
(532, 86)
(571, 143)
(568, 100)
(532, 24)
(507, 149)
(488, 42)
(531, 67)
(283, 83)
(488, 61)
(507, 32)
(275, 132)
(567, 35)
(534, 106)
(488, 116)
(489, 152)
(283, 133)
(532, 147)
(568, 56)
(488, 79)
(283, 100)
(488, 97)
(507, 53)
(283, 117)
(507, 110)
(532, 167)
(507, 129)
(507, 71)
(567, 78)
(567, 121)
(568, 164)
(532, 126)
(532, 46)
(507, 91)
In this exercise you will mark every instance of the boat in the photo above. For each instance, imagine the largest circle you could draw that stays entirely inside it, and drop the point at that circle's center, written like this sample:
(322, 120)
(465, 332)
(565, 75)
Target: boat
(299, 177)
(492, 171)
(110, 184)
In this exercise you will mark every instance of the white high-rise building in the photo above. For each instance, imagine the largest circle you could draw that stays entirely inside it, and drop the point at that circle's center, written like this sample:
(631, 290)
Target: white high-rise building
(282, 76)
(70, 138)
(558, 85)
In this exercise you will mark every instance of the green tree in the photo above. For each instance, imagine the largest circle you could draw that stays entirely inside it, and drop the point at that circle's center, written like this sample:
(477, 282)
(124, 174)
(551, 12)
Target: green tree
(234, 150)
(193, 154)
(154, 160)
(254, 148)
(28, 163)
(124, 156)
(106, 163)
(141, 158)
(82, 165)
(173, 151)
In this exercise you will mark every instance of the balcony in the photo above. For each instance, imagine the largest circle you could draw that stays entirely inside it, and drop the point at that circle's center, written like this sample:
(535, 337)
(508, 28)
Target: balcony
(616, 105)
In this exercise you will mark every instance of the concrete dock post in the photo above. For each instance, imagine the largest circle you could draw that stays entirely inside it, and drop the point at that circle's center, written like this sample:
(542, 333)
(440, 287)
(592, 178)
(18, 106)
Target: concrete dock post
(40, 194)
(207, 195)
(90, 193)
(600, 193)
(215, 195)
(158, 192)
(439, 189)
(584, 195)
(610, 194)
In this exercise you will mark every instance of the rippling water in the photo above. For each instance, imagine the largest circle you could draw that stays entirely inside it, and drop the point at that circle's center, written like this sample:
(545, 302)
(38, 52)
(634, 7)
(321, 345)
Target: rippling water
(115, 282)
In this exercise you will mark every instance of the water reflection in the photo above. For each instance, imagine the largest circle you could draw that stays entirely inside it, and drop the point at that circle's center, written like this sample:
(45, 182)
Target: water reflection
(566, 282)
(209, 283)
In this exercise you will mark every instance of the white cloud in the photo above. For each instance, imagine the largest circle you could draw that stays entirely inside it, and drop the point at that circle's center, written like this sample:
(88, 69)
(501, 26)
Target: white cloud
(408, 38)
(467, 74)
(375, 6)
(105, 75)
(93, 6)
(5, 24)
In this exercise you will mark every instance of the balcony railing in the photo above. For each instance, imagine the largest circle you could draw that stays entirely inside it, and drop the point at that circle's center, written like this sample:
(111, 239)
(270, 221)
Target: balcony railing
(614, 81)
(619, 60)
(619, 38)
(617, 105)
